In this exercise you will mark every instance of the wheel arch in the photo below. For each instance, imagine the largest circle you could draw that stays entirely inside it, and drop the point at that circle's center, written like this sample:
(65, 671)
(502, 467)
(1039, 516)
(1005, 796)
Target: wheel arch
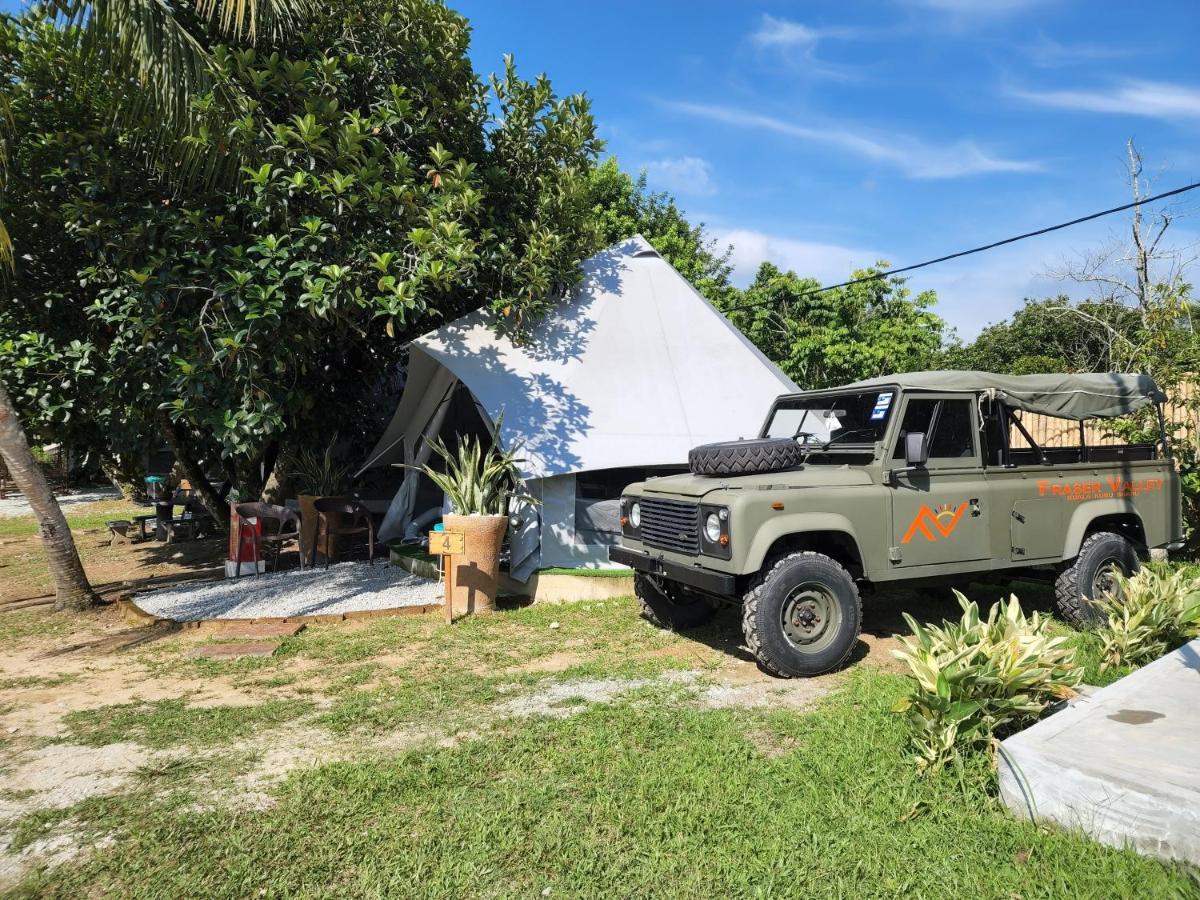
(1119, 516)
(830, 535)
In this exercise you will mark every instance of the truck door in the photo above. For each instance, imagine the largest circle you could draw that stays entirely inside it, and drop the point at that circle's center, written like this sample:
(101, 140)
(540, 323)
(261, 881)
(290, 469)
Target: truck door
(939, 513)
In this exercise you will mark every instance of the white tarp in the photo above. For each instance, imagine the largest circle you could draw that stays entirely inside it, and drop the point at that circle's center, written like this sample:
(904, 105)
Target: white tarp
(633, 369)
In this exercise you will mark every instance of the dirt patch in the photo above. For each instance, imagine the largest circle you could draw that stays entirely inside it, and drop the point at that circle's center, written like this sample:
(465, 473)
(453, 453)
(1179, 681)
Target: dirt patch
(559, 699)
(113, 570)
(771, 745)
(99, 681)
(775, 693)
(61, 775)
(61, 846)
(878, 652)
(555, 662)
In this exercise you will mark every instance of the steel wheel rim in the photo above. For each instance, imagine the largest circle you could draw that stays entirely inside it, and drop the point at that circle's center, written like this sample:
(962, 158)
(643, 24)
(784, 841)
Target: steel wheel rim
(810, 617)
(1103, 582)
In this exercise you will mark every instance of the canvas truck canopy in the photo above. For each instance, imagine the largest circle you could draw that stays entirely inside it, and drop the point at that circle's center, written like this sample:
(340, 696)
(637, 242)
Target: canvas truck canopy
(1076, 397)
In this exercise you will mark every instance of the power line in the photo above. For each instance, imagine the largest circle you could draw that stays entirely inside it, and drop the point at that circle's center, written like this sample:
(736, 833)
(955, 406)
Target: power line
(1011, 240)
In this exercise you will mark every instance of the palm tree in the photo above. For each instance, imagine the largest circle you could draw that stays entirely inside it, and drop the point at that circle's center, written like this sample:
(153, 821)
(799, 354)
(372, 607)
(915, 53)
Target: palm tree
(71, 588)
(166, 67)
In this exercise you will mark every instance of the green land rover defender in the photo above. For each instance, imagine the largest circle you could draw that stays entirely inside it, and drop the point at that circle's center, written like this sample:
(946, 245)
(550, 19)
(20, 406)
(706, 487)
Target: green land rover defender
(928, 477)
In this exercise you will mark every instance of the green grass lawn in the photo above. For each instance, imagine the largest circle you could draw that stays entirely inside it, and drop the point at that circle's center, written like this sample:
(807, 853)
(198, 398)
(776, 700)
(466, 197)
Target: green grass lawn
(648, 797)
(651, 794)
(79, 517)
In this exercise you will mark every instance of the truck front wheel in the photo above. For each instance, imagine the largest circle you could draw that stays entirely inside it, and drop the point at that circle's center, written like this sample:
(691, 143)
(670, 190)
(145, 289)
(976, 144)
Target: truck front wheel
(1089, 576)
(668, 607)
(801, 615)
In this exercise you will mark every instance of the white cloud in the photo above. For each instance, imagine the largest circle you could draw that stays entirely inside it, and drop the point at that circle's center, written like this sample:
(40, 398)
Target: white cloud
(1048, 53)
(911, 155)
(682, 175)
(1156, 99)
(773, 32)
(828, 263)
(796, 41)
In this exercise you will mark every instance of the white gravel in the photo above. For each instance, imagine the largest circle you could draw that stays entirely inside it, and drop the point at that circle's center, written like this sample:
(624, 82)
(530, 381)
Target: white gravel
(16, 505)
(345, 587)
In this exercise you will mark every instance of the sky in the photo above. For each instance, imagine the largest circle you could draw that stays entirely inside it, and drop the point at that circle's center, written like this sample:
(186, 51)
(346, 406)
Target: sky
(824, 136)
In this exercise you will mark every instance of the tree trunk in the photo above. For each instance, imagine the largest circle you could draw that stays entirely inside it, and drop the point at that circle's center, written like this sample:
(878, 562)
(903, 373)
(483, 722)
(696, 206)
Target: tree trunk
(71, 587)
(276, 488)
(209, 498)
(123, 481)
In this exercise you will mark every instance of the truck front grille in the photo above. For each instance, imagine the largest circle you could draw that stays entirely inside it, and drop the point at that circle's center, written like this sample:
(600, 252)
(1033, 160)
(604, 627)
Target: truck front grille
(671, 525)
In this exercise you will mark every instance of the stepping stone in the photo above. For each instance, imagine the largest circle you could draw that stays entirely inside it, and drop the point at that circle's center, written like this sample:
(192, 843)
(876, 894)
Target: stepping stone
(259, 630)
(234, 651)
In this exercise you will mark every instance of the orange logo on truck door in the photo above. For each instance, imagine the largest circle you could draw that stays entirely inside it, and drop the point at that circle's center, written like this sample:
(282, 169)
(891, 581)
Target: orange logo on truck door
(944, 520)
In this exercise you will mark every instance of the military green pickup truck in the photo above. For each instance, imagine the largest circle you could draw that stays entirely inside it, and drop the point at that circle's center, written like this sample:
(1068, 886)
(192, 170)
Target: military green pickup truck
(926, 477)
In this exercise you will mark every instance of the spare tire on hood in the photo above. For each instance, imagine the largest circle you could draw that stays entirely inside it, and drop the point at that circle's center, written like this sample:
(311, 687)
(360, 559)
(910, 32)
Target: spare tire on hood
(745, 457)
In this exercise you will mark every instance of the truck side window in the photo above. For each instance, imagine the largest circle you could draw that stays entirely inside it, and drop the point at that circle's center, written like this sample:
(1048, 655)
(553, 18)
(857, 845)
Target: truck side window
(951, 432)
(953, 439)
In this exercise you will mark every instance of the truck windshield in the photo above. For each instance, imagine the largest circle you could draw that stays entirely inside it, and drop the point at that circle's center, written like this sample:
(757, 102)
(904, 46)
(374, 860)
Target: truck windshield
(848, 419)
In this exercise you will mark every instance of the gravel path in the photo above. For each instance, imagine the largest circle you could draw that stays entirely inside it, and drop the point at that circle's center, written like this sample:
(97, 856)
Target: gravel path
(345, 587)
(16, 505)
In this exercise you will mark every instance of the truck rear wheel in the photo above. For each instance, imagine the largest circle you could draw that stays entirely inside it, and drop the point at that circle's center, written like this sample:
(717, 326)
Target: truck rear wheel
(1090, 575)
(670, 608)
(801, 615)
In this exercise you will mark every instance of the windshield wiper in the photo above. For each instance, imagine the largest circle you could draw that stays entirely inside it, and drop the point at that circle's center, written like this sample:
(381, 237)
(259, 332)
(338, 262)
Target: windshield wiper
(829, 443)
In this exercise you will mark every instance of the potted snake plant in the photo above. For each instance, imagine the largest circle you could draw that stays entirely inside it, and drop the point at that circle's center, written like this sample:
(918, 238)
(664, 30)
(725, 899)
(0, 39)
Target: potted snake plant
(478, 484)
(317, 475)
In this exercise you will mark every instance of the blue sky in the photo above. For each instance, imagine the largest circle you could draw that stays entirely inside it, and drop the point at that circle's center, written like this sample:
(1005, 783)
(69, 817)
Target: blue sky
(825, 135)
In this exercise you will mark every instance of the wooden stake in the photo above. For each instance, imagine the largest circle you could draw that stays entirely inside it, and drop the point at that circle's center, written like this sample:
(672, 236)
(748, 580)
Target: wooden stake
(449, 564)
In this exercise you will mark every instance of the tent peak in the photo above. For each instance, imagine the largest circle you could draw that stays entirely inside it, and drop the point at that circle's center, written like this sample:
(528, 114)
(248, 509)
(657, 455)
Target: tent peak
(638, 247)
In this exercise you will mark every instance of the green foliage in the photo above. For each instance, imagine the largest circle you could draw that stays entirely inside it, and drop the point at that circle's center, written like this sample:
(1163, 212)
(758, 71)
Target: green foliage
(385, 189)
(831, 338)
(320, 473)
(478, 482)
(1051, 335)
(1149, 614)
(977, 677)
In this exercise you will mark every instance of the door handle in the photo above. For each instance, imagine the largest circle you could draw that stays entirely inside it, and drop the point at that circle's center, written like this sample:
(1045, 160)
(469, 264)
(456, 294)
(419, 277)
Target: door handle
(975, 510)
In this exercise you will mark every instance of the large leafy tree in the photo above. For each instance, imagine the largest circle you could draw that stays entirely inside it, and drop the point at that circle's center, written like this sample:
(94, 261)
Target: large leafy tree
(1053, 335)
(385, 187)
(159, 67)
(826, 338)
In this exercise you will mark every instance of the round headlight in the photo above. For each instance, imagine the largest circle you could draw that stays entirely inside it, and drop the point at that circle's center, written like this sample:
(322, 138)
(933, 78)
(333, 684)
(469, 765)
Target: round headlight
(635, 515)
(712, 528)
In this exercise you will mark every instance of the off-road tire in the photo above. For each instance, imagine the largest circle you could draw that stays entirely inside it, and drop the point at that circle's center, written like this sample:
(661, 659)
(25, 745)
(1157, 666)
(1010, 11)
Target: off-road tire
(1074, 587)
(762, 610)
(745, 457)
(661, 609)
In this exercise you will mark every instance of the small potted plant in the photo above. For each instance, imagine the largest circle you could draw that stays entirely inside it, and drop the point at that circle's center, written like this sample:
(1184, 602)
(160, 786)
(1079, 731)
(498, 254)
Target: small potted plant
(478, 484)
(317, 475)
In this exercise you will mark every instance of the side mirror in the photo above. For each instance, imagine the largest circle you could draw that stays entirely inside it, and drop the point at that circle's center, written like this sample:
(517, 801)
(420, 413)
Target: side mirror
(916, 450)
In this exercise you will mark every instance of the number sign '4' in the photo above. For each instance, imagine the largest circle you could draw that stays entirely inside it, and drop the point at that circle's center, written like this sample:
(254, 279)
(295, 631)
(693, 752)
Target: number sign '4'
(447, 543)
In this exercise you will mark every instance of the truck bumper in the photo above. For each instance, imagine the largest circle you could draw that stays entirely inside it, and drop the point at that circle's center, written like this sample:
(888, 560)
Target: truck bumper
(707, 580)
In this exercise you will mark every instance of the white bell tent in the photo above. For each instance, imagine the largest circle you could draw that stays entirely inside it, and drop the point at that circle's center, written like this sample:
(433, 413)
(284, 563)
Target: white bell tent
(632, 370)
